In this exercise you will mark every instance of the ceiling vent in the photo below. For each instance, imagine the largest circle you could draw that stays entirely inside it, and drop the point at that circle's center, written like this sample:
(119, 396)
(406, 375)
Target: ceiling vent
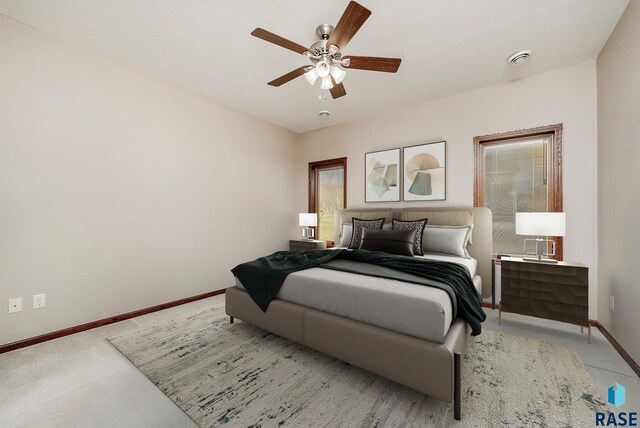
(519, 58)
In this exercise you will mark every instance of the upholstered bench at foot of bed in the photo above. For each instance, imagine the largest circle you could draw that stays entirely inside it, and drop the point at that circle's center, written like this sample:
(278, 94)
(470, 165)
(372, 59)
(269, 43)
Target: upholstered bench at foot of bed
(425, 366)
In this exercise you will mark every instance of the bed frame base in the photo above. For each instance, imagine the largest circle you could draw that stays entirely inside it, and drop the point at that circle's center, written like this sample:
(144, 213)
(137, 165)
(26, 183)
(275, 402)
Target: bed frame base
(457, 396)
(432, 368)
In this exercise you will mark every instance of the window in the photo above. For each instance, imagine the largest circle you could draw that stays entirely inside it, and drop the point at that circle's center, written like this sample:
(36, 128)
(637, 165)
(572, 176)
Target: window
(518, 171)
(327, 193)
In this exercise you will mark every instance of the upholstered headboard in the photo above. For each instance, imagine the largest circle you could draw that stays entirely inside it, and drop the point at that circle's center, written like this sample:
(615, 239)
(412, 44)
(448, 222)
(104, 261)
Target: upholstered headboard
(481, 235)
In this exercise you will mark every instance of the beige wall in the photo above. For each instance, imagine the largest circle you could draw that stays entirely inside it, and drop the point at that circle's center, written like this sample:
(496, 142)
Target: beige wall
(619, 181)
(121, 191)
(565, 96)
(116, 185)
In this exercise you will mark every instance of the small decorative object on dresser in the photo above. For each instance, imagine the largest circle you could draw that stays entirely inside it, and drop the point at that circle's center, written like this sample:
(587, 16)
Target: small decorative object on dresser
(558, 291)
(306, 245)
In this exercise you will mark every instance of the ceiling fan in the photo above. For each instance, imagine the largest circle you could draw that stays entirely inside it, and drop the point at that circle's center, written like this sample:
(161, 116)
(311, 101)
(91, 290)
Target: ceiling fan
(327, 62)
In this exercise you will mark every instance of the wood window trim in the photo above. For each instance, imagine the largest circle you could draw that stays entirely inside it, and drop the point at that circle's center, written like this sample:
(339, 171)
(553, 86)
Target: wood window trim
(555, 167)
(314, 167)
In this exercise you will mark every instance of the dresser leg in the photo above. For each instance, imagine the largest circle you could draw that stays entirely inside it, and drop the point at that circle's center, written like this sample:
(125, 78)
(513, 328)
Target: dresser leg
(581, 329)
(230, 320)
(589, 334)
(500, 316)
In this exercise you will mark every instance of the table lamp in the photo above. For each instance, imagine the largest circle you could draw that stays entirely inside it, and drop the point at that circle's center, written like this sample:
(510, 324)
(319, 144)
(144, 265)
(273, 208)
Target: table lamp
(306, 220)
(540, 224)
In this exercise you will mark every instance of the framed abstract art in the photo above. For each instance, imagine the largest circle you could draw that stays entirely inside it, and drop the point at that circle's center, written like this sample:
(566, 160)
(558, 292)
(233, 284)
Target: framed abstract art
(424, 172)
(382, 176)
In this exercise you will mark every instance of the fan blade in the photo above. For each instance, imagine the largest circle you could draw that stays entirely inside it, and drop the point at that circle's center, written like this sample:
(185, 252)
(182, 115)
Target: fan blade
(350, 22)
(372, 63)
(277, 40)
(338, 90)
(287, 77)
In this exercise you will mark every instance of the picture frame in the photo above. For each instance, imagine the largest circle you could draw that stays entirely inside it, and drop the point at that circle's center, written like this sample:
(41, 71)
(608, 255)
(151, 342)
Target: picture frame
(382, 176)
(424, 172)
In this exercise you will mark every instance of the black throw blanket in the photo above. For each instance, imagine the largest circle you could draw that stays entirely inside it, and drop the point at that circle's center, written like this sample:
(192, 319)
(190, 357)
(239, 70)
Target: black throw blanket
(263, 277)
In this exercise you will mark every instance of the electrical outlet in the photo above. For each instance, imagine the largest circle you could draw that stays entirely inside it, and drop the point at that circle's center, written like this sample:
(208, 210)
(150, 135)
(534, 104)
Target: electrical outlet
(612, 303)
(15, 305)
(39, 301)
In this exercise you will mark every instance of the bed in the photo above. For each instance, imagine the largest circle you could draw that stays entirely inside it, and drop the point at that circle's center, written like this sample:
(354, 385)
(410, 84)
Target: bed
(363, 326)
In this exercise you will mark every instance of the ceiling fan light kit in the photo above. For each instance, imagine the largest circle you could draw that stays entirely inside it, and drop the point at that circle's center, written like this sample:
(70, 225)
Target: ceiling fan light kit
(327, 60)
(338, 74)
(311, 75)
(326, 83)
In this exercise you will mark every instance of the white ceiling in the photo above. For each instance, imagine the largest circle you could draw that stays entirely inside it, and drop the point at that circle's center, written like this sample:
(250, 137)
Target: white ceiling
(446, 46)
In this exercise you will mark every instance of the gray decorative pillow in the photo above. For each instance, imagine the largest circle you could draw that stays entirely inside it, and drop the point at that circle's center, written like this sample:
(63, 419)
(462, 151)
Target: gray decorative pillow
(390, 241)
(446, 240)
(358, 225)
(418, 225)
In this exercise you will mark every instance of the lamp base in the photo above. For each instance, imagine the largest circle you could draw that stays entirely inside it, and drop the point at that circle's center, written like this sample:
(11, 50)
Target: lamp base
(307, 233)
(541, 250)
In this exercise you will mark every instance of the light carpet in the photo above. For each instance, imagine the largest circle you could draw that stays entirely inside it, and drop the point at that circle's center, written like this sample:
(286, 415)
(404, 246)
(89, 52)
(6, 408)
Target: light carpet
(236, 375)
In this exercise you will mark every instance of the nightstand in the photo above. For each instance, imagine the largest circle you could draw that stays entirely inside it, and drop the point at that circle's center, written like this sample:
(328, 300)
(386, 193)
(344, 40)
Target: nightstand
(306, 245)
(554, 291)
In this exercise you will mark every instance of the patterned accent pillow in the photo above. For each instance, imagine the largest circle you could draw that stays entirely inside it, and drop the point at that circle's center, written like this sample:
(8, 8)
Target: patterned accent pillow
(418, 225)
(359, 224)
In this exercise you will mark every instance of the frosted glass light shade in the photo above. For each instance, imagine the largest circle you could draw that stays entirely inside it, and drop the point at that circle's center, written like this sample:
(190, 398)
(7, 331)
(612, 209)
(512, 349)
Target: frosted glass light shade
(323, 68)
(540, 224)
(311, 76)
(326, 83)
(308, 219)
(338, 74)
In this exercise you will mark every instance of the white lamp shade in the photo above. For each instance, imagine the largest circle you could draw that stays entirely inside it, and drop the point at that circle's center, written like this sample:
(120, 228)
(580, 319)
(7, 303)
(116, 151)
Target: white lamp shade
(540, 224)
(326, 83)
(311, 76)
(308, 219)
(338, 74)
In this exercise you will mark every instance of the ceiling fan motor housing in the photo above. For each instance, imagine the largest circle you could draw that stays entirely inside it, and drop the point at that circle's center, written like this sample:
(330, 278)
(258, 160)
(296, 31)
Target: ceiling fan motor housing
(324, 31)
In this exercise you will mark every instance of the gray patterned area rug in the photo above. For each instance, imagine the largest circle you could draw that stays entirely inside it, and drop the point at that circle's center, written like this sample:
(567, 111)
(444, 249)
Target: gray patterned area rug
(235, 375)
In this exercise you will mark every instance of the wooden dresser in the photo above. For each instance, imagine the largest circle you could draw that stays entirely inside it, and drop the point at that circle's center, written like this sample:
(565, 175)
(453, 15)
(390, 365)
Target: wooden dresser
(306, 245)
(555, 291)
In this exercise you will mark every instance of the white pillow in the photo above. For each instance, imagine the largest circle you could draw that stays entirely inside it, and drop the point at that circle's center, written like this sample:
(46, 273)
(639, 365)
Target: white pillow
(446, 240)
(347, 233)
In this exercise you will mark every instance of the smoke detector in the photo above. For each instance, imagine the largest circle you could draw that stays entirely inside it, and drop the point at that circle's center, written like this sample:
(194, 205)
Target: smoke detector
(519, 58)
(324, 113)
